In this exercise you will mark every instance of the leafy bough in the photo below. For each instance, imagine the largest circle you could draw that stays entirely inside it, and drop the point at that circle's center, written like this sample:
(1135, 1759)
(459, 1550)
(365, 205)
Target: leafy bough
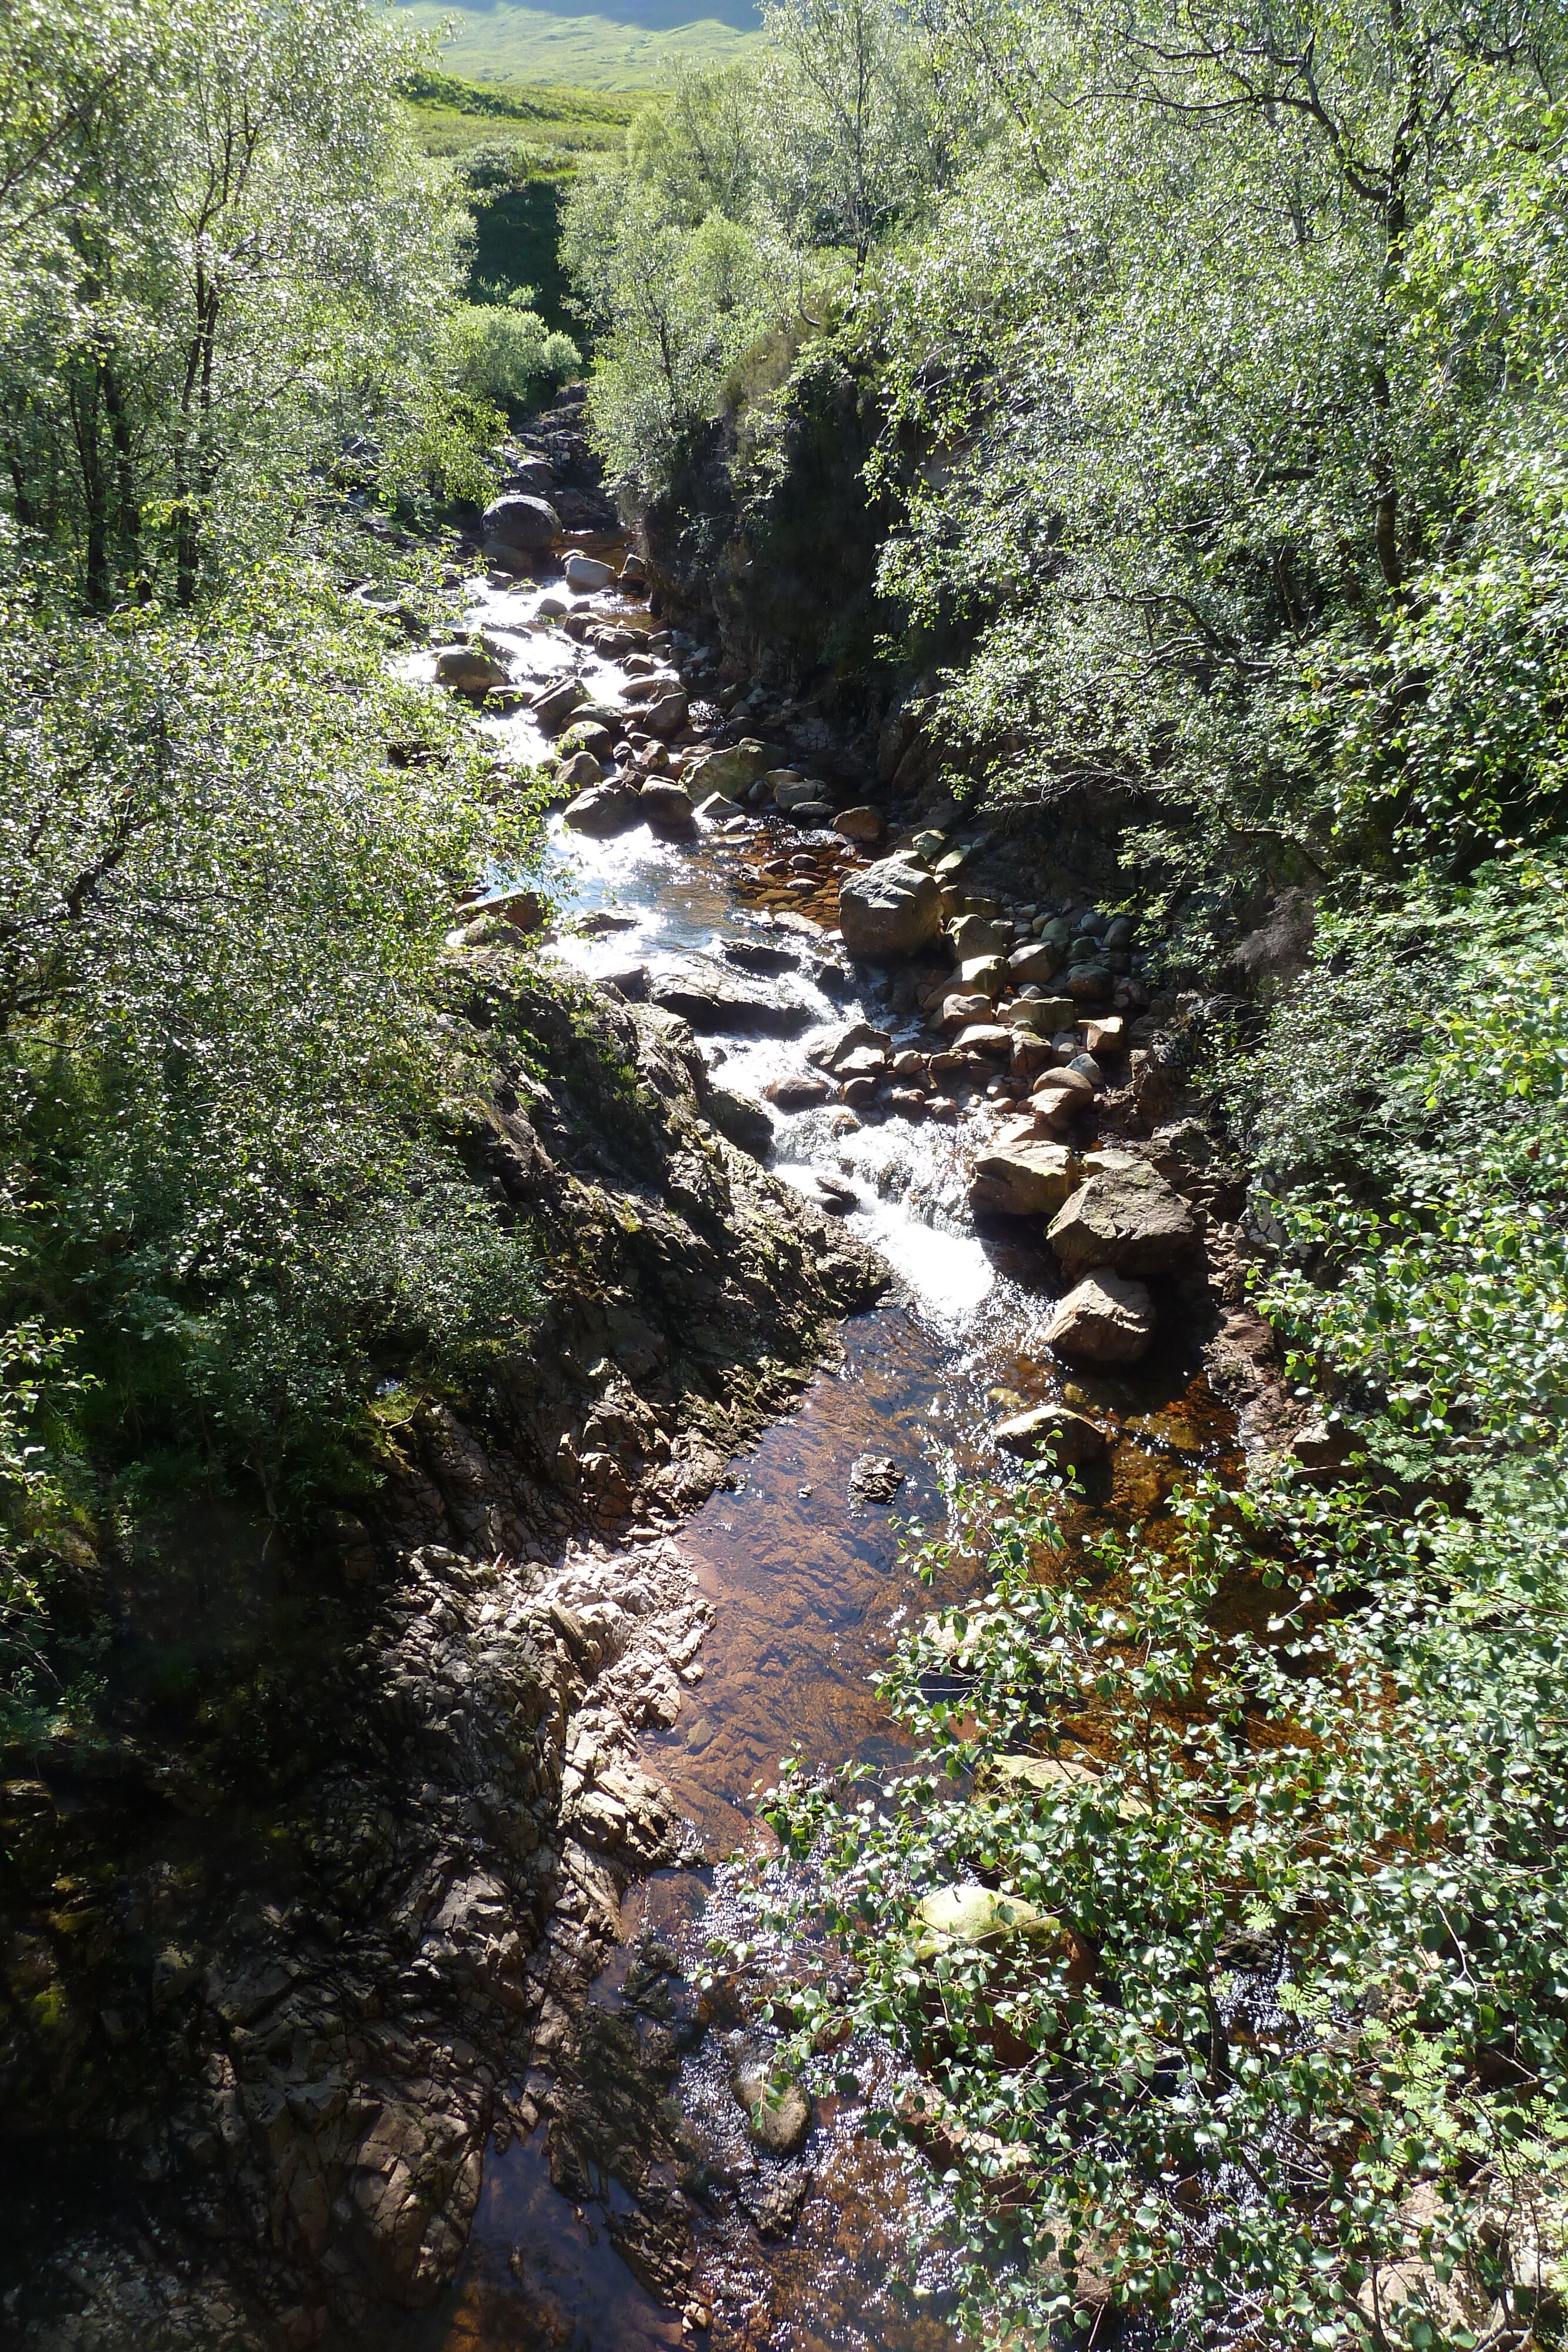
(1266, 2032)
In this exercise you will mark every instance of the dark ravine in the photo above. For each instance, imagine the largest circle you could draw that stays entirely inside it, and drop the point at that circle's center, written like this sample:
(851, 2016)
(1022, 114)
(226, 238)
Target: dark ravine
(270, 1954)
(325, 1961)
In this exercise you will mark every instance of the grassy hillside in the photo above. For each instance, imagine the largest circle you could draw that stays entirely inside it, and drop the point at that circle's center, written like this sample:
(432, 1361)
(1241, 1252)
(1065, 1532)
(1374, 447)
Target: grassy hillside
(635, 45)
(551, 124)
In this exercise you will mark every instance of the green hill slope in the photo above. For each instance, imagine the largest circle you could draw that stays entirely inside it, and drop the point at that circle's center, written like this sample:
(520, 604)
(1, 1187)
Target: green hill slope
(636, 46)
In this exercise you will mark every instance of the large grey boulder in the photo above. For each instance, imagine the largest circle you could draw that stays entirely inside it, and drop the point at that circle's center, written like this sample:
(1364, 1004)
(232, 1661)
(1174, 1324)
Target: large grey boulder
(860, 824)
(889, 909)
(602, 810)
(790, 790)
(522, 521)
(586, 735)
(731, 770)
(1108, 1320)
(554, 704)
(1038, 961)
(1127, 1218)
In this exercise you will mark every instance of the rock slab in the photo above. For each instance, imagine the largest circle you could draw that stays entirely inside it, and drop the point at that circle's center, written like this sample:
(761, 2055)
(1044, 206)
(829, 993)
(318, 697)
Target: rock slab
(1126, 1218)
(1026, 1179)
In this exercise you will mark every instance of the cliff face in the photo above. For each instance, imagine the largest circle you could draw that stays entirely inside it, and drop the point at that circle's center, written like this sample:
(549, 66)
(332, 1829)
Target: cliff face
(770, 533)
(270, 1948)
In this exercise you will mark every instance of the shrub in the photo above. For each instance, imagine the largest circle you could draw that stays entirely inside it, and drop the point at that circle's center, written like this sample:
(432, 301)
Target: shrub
(499, 353)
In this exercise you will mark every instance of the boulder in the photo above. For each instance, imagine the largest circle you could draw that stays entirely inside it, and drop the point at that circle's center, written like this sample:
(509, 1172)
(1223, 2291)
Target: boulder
(792, 790)
(1108, 1319)
(555, 704)
(978, 935)
(586, 735)
(602, 810)
(666, 715)
(778, 2111)
(989, 973)
(1057, 1010)
(498, 556)
(861, 1062)
(962, 1007)
(1023, 1179)
(1087, 984)
(600, 714)
(830, 1054)
(810, 812)
(718, 808)
(468, 669)
(889, 909)
(740, 1118)
(634, 572)
(732, 771)
(1046, 1773)
(1066, 1436)
(1127, 1218)
(874, 1478)
(1106, 1035)
(1054, 1776)
(1038, 961)
(984, 1037)
(575, 775)
(974, 1915)
(521, 521)
(831, 1194)
(798, 1090)
(714, 1007)
(533, 475)
(1044, 1015)
(586, 573)
(860, 824)
(665, 805)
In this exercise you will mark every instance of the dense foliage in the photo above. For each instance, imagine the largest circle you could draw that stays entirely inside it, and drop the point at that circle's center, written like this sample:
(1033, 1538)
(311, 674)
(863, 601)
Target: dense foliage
(232, 1198)
(1264, 2028)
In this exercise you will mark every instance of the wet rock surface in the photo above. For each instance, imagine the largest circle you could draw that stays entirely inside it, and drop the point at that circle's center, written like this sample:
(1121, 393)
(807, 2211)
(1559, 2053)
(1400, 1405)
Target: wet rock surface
(311, 1946)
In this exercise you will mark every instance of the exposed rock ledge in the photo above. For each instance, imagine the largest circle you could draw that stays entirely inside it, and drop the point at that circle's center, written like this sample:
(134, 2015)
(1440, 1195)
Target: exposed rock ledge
(271, 1967)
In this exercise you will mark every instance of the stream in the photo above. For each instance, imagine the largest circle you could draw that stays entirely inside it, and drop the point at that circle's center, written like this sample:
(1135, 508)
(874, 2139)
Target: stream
(808, 1584)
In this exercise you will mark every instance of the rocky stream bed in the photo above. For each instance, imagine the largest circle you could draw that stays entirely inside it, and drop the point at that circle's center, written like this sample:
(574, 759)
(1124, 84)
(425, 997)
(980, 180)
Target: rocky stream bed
(363, 2009)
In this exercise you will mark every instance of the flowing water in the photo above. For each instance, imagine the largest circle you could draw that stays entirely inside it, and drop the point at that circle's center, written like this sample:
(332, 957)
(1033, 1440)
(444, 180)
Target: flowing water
(808, 1586)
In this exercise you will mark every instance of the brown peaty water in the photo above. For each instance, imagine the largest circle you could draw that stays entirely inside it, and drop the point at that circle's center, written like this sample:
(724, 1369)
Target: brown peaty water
(808, 1586)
